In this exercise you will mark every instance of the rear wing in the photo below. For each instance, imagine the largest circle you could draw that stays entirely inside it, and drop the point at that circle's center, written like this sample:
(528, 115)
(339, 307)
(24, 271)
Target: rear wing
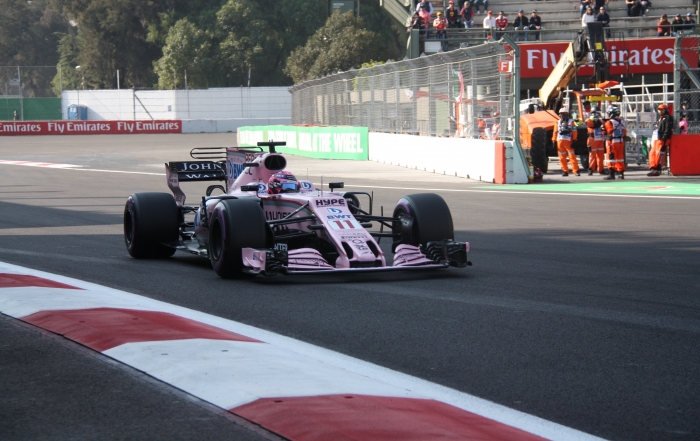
(213, 164)
(200, 170)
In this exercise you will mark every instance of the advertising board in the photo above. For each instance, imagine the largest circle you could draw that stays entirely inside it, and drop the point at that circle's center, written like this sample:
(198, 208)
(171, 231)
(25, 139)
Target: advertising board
(634, 56)
(14, 128)
(311, 141)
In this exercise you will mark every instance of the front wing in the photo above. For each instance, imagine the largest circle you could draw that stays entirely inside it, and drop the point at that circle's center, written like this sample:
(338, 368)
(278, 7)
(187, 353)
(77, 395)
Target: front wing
(435, 255)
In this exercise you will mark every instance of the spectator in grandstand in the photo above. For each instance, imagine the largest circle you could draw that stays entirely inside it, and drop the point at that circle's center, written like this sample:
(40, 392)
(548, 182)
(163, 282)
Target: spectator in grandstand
(417, 22)
(452, 15)
(634, 8)
(467, 13)
(663, 27)
(604, 18)
(423, 4)
(677, 25)
(489, 24)
(440, 24)
(588, 17)
(481, 2)
(520, 24)
(683, 124)
(689, 23)
(501, 25)
(536, 24)
(646, 5)
(597, 4)
(426, 19)
(585, 4)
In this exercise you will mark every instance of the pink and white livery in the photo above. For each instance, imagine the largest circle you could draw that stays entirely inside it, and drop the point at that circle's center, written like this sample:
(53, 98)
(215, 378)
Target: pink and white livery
(266, 222)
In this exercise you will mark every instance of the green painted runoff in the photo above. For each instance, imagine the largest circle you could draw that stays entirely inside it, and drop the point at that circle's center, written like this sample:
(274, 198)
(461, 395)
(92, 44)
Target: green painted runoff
(650, 188)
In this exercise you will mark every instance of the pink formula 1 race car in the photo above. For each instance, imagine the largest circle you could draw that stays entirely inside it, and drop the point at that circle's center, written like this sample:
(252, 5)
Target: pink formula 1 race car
(267, 222)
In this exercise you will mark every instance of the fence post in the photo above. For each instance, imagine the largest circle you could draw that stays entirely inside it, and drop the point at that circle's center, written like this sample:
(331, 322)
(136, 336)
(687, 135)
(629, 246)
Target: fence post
(475, 118)
(21, 101)
(677, 73)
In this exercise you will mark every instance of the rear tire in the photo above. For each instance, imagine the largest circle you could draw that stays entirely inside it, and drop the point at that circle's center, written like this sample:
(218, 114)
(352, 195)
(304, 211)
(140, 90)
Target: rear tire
(151, 219)
(423, 218)
(235, 224)
(538, 151)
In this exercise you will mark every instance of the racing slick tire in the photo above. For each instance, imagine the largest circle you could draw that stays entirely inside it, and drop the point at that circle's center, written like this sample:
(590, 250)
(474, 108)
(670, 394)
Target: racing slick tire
(235, 224)
(151, 219)
(538, 151)
(423, 218)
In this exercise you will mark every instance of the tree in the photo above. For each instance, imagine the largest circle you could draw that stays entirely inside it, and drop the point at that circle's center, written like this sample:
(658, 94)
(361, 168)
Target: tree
(260, 36)
(343, 42)
(187, 49)
(28, 38)
(67, 77)
(112, 36)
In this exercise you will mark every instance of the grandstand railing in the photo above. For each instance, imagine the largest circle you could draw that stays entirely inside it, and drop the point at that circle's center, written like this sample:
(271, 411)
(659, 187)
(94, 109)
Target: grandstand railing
(461, 37)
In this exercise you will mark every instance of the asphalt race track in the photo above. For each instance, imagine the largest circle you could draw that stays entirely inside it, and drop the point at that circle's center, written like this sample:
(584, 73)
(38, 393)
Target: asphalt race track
(581, 308)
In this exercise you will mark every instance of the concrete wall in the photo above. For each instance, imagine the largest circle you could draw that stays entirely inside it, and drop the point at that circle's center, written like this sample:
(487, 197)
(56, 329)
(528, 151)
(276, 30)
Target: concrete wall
(482, 160)
(228, 125)
(206, 104)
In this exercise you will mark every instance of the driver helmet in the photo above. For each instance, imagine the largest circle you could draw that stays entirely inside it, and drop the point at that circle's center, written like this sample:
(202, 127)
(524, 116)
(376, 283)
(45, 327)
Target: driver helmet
(282, 182)
(563, 111)
(585, 103)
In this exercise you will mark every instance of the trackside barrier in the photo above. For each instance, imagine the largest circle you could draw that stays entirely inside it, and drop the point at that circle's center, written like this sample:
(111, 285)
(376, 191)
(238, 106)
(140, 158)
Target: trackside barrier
(341, 142)
(483, 160)
(227, 125)
(131, 127)
(13, 128)
(685, 155)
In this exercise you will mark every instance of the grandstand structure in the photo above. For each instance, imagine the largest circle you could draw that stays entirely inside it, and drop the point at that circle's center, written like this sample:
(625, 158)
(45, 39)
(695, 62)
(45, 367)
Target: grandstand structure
(560, 18)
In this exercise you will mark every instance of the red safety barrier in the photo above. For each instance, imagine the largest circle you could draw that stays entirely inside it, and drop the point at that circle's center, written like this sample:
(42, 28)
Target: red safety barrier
(15, 128)
(685, 155)
(499, 176)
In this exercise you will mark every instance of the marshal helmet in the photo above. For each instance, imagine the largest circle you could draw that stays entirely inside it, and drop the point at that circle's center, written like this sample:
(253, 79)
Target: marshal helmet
(613, 111)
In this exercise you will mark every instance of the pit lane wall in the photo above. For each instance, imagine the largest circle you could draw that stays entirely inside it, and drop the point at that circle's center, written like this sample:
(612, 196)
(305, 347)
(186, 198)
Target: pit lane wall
(499, 162)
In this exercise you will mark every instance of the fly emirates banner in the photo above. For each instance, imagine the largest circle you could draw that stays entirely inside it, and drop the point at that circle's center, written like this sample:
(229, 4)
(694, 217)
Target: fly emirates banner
(640, 56)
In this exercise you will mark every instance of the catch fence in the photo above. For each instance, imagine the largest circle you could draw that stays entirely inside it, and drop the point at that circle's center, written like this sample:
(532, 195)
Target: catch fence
(687, 83)
(28, 93)
(460, 93)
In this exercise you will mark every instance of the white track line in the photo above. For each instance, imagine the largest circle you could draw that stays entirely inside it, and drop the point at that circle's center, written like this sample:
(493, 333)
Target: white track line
(529, 192)
(18, 302)
(38, 164)
(459, 190)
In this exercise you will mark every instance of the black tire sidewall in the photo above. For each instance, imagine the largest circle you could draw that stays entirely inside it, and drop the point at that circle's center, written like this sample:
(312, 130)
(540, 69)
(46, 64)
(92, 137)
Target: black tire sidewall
(151, 219)
(242, 225)
(431, 216)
